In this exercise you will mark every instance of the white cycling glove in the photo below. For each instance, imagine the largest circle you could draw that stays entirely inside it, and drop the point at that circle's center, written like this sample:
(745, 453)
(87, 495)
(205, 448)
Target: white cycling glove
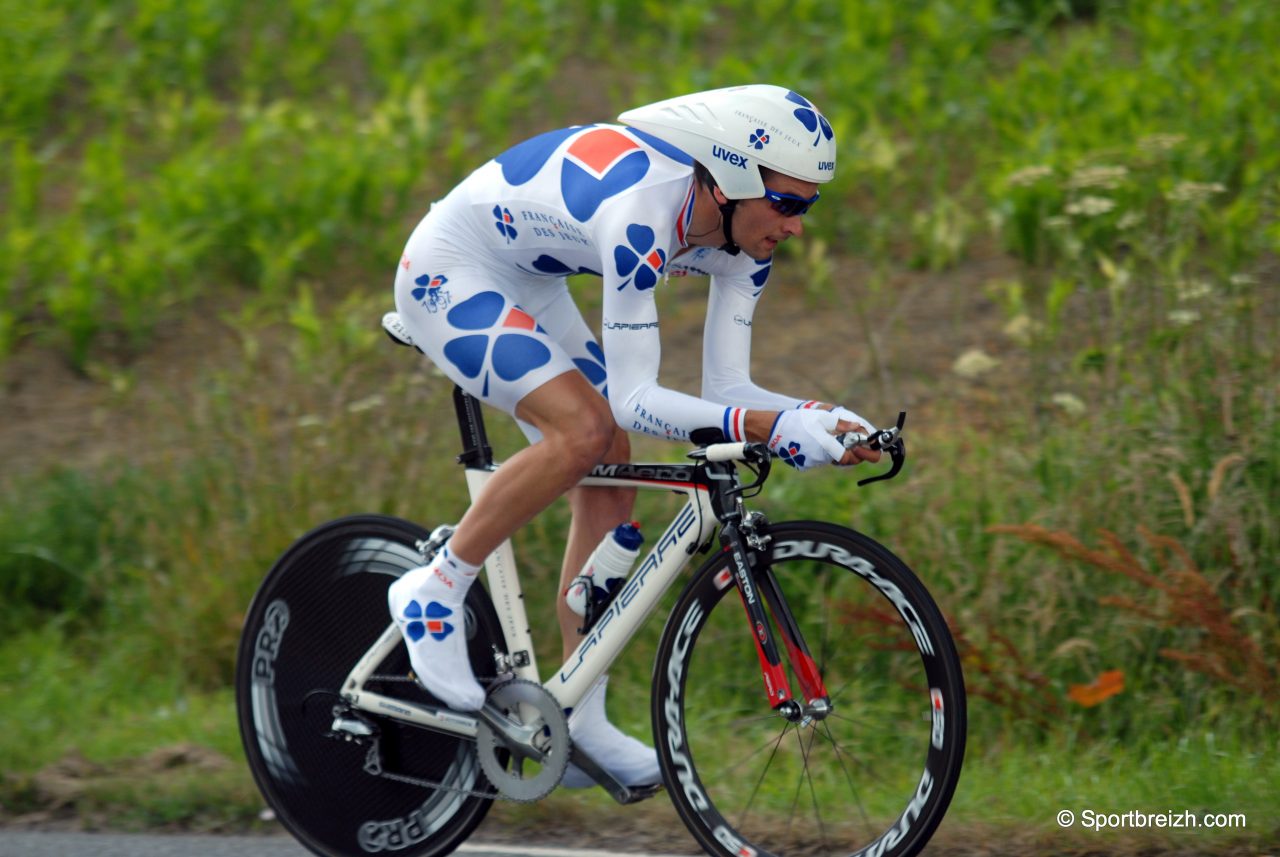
(804, 438)
(846, 414)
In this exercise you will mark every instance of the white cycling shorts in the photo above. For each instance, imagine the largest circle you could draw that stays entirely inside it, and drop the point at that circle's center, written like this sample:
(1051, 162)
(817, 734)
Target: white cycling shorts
(495, 331)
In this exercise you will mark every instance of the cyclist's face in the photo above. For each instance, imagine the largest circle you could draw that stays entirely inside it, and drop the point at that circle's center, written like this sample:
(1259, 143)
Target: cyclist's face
(758, 228)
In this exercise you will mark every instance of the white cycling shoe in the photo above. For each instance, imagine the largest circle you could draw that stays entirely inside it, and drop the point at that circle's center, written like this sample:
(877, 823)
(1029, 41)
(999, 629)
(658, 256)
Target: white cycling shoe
(631, 762)
(427, 607)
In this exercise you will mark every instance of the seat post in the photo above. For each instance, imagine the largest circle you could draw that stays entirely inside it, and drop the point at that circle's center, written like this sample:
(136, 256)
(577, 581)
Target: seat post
(476, 451)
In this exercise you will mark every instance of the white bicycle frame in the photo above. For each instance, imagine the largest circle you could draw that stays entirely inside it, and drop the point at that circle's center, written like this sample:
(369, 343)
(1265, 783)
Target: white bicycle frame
(694, 524)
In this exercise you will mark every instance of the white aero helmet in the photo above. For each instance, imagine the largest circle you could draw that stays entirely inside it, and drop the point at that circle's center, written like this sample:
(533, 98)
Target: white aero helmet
(735, 131)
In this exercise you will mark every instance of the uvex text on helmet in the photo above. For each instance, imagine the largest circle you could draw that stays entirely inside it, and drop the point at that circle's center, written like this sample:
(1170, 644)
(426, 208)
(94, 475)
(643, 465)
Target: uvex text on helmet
(735, 131)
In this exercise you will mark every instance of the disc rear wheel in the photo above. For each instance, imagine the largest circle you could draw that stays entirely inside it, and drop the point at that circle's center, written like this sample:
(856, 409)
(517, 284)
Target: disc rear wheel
(320, 608)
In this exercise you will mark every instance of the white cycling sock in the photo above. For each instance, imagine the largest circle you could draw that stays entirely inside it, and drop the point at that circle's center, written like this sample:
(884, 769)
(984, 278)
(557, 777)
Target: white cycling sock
(630, 761)
(426, 604)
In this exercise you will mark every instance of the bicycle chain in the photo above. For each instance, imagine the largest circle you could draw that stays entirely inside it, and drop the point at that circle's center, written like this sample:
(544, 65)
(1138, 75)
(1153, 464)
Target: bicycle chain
(373, 760)
(377, 770)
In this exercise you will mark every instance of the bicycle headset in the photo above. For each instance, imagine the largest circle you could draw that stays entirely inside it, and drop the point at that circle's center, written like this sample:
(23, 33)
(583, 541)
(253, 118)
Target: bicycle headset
(734, 131)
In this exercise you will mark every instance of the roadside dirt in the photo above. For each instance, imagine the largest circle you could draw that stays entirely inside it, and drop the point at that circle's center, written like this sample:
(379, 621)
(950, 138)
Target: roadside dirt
(875, 352)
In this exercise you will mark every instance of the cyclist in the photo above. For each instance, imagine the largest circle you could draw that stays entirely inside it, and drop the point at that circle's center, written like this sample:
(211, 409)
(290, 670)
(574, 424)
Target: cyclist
(708, 184)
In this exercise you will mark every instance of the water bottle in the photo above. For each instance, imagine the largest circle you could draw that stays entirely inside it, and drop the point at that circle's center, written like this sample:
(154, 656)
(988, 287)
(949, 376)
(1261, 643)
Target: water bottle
(605, 570)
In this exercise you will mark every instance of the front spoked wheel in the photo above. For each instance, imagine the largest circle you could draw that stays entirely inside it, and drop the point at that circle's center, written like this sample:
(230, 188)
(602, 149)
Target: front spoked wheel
(871, 765)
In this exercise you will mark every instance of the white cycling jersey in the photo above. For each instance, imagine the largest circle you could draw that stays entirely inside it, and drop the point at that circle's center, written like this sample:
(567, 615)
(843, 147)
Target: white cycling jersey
(482, 286)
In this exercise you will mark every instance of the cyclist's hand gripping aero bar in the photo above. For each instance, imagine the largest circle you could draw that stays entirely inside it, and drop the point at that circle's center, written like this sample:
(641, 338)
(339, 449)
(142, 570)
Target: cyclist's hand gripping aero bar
(885, 440)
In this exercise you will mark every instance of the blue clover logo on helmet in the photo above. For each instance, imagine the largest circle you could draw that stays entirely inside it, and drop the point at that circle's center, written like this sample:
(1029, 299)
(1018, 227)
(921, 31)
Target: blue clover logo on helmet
(810, 118)
(758, 139)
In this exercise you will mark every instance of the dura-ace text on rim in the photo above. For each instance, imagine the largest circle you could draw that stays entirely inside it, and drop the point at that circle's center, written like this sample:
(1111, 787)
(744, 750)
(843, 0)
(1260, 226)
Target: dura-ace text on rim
(868, 770)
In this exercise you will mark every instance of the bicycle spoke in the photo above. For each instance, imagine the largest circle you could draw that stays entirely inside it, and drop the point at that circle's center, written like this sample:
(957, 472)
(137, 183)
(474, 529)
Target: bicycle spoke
(853, 786)
(813, 794)
(756, 789)
(837, 787)
(844, 752)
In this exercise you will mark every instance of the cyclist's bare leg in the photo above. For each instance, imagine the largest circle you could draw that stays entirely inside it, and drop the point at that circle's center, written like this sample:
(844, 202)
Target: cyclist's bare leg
(594, 511)
(578, 431)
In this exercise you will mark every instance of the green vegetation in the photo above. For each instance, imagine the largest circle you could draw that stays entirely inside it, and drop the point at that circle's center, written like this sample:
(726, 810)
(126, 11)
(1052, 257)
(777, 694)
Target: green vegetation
(1116, 165)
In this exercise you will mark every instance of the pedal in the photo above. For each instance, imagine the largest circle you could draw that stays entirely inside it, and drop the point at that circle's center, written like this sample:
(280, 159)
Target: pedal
(395, 329)
(620, 793)
(429, 546)
(349, 726)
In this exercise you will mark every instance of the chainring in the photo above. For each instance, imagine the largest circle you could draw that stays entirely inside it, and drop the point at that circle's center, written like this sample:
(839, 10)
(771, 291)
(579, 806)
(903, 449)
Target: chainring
(526, 704)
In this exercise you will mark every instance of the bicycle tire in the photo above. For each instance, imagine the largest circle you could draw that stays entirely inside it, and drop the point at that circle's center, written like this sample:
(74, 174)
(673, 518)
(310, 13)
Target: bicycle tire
(860, 781)
(320, 607)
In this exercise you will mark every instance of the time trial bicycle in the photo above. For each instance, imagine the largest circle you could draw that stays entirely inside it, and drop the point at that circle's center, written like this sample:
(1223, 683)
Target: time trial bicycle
(806, 696)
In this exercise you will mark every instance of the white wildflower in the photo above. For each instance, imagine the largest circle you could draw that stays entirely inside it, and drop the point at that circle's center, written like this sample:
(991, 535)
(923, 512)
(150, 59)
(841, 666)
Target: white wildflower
(366, 404)
(1243, 280)
(1104, 178)
(1130, 219)
(1021, 329)
(1090, 206)
(1184, 317)
(974, 363)
(1159, 143)
(310, 421)
(1057, 222)
(1028, 176)
(1194, 191)
(1070, 404)
(1190, 290)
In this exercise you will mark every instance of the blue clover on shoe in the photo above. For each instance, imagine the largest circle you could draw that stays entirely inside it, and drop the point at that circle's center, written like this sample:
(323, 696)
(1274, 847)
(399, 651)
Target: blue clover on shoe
(791, 454)
(416, 630)
(436, 626)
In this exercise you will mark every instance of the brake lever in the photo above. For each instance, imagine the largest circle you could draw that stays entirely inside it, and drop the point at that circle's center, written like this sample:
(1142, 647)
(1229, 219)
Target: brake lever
(894, 444)
(898, 454)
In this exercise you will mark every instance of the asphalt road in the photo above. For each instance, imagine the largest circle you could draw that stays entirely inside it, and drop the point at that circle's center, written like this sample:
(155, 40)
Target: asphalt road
(29, 844)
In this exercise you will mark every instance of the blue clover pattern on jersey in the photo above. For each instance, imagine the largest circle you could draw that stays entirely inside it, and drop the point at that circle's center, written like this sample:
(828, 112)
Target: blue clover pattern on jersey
(545, 264)
(810, 118)
(761, 275)
(592, 367)
(522, 161)
(758, 139)
(504, 220)
(680, 156)
(428, 620)
(504, 347)
(640, 257)
(791, 454)
(428, 284)
(608, 163)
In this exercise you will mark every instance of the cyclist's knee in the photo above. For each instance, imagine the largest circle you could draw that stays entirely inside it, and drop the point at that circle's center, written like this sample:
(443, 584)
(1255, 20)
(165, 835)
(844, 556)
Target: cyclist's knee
(593, 436)
(572, 417)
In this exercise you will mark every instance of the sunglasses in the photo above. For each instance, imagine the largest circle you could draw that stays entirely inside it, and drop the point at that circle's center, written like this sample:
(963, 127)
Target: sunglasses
(788, 204)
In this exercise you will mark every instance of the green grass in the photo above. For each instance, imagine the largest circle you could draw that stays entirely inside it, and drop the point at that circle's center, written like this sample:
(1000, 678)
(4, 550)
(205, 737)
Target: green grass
(1115, 163)
(163, 150)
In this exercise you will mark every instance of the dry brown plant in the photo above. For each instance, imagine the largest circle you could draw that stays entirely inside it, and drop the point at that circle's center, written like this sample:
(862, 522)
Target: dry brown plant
(1182, 597)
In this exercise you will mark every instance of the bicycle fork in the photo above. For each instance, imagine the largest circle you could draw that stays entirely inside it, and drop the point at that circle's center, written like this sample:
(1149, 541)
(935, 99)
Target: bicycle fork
(760, 587)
